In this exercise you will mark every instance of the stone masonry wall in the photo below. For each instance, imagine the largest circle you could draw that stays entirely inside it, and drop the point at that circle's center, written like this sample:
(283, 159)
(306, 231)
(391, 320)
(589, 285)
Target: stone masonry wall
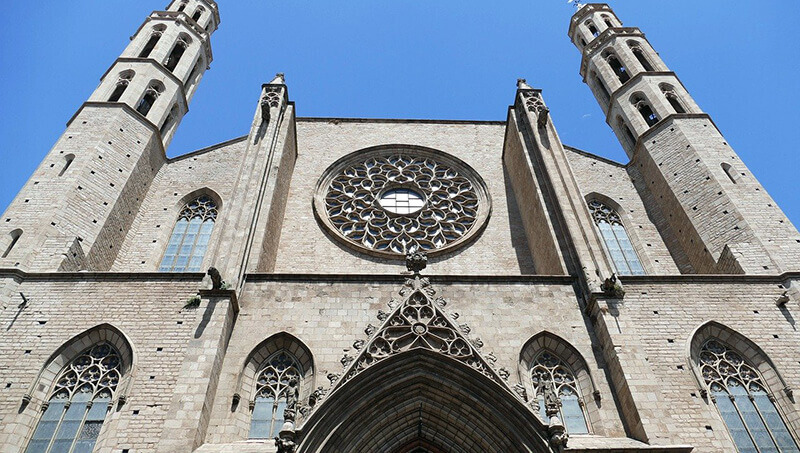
(305, 247)
(149, 311)
(599, 176)
(329, 315)
(215, 168)
(660, 316)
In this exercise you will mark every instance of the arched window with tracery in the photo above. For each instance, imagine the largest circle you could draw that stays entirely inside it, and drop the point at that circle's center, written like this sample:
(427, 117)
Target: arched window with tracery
(672, 97)
(741, 396)
(155, 36)
(619, 69)
(277, 381)
(189, 241)
(638, 52)
(177, 52)
(550, 372)
(79, 402)
(123, 81)
(650, 117)
(151, 94)
(616, 239)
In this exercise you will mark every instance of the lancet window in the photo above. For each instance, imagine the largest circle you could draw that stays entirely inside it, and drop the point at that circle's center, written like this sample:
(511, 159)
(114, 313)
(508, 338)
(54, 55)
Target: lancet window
(78, 404)
(619, 69)
(551, 373)
(155, 36)
(122, 85)
(741, 397)
(616, 239)
(672, 97)
(644, 108)
(177, 52)
(189, 241)
(277, 382)
(150, 96)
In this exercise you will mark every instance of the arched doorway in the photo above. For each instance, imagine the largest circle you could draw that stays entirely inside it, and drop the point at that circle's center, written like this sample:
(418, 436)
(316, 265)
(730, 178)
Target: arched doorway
(421, 401)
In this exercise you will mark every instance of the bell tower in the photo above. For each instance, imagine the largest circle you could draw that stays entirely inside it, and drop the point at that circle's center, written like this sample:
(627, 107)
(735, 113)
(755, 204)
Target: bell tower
(714, 215)
(77, 207)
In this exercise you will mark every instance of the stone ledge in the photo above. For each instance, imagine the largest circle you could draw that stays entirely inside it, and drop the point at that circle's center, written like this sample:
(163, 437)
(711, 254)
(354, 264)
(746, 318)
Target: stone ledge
(395, 278)
(101, 276)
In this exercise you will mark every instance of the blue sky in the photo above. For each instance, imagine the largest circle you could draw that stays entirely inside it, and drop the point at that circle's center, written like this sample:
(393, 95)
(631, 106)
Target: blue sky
(441, 59)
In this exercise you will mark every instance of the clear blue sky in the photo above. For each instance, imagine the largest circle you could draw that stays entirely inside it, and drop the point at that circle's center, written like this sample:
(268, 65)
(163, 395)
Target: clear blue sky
(441, 59)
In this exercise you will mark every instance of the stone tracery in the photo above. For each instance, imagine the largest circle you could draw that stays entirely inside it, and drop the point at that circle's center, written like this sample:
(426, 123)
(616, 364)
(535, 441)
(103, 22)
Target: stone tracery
(395, 202)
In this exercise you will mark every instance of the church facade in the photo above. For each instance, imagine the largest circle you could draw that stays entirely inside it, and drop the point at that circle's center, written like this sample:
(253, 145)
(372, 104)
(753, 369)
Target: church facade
(346, 285)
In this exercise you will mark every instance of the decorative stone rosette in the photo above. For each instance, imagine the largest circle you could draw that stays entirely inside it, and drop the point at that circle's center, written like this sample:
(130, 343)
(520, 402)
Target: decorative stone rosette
(357, 201)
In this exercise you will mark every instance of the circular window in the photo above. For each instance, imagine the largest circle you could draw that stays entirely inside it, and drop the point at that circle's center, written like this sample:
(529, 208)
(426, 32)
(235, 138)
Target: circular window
(393, 200)
(401, 201)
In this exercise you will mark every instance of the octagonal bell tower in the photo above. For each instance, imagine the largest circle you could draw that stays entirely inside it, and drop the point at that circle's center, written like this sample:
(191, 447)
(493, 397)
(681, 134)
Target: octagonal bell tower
(77, 207)
(712, 212)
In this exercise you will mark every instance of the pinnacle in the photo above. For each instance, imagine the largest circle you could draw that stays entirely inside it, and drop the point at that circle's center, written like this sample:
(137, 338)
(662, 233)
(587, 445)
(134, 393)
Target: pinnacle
(279, 79)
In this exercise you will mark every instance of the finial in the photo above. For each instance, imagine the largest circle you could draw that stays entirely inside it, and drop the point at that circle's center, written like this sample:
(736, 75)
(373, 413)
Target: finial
(522, 84)
(279, 79)
(416, 262)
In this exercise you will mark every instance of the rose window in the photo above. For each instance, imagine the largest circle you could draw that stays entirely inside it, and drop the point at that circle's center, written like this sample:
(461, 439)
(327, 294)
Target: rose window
(397, 200)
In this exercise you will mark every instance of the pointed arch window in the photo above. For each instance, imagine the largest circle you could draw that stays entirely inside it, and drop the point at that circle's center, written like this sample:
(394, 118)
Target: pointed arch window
(124, 80)
(619, 69)
(189, 241)
(177, 52)
(644, 108)
(79, 402)
(150, 96)
(280, 375)
(198, 13)
(616, 239)
(638, 52)
(741, 397)
(550, 371)
(672, 97)
(592, 28)
(151, 43)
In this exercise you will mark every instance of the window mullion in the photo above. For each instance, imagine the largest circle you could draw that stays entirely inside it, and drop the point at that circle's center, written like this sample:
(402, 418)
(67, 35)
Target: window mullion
(764, 420)
(744, 422)
(80, 427)
(629, 270)
(58, 426)
(180, 246)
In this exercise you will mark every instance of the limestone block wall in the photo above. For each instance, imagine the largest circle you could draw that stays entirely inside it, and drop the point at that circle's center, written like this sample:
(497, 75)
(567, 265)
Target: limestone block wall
(213, 170)
(611, 184)
(147, 309)
(659, 316)
(328, 314)
(91, 182)
(304, 247)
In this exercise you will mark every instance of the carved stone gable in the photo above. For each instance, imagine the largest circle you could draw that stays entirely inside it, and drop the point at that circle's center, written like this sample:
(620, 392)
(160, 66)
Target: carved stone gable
(419, 322)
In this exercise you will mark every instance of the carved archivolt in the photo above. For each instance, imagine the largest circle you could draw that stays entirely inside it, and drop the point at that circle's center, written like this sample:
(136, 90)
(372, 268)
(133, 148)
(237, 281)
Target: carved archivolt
(394, 200)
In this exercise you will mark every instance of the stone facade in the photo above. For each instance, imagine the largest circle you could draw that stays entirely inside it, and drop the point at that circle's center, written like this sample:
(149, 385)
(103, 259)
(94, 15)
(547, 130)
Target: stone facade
(381, 354)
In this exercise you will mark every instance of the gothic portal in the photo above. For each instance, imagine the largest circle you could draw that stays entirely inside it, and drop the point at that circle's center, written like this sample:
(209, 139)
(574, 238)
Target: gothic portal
(339, 285)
